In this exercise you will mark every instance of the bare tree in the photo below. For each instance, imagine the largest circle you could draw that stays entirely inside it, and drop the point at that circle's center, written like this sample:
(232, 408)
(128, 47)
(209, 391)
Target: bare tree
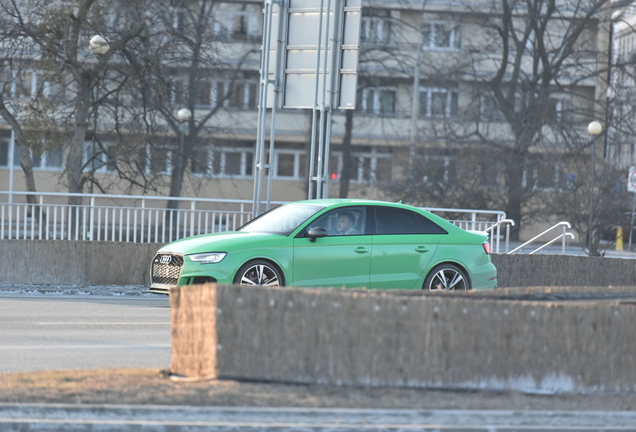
(56, 36)
(182, 61)
(517, 95)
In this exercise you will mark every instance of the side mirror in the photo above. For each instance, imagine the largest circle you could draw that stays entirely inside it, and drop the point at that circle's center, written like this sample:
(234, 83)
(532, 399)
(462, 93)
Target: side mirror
(315, 233)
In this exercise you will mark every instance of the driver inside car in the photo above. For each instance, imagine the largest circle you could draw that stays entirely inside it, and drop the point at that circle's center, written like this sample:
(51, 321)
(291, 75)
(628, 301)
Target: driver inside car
(346, 221)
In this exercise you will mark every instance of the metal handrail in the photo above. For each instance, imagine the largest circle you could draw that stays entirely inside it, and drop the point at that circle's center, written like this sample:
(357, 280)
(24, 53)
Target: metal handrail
(508, 223)
(568, 234)
(563, 236)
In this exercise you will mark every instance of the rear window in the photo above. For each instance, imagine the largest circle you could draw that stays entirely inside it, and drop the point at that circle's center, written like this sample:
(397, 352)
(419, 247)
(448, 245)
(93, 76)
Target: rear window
(390, 220)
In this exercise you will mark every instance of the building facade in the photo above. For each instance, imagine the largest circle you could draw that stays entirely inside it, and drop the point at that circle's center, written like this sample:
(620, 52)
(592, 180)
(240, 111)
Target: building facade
(431, 125)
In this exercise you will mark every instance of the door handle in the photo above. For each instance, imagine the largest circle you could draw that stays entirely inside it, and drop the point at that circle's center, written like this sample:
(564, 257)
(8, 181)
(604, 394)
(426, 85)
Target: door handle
(361, 250)
(421, 249)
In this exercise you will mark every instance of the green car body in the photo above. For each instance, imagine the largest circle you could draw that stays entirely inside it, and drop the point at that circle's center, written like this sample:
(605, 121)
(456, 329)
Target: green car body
(389, 246)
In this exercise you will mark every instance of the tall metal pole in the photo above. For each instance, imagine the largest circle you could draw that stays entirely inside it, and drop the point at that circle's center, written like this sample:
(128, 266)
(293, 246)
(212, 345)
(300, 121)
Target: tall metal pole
(92, 177)
(11, 163)
(321, 144)
(594, 129)
(259, 166)
(312, 150)
(416, 94)
(590, 231)
(277, 90)
(631, 230)
(334, 74)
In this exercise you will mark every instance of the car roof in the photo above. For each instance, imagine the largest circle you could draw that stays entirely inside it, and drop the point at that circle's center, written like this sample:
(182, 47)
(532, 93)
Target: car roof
(336, 201)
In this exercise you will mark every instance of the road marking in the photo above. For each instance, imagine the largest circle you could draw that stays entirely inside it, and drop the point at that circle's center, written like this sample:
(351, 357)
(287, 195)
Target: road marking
(310, 426)
(38, 347)
(98, 323)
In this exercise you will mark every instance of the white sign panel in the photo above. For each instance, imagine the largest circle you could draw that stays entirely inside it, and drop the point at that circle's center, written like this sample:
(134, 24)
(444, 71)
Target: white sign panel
(631, 181)
(306, 63)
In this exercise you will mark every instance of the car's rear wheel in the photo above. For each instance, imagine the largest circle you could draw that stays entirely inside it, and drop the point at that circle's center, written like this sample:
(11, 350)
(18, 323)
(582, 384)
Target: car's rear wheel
(447, 277)
(259, 273)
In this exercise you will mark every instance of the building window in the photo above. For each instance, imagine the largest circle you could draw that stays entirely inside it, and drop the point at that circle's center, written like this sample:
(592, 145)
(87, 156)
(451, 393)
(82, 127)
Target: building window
(242, 95)
(290, 164)
(438, 169)
(27, 84)
(154, 160)
(441, 36)
(232, 162)
(200, 161)
(50, 159)
(375, 27)
(490, 109)
(176, 90)
(5, 143)
(438, 102)
(489, 174)
(100, 160)
(204, 94)
(367, 167)
(377, 100)
(237, 25)
(560, 109)
(543, 173)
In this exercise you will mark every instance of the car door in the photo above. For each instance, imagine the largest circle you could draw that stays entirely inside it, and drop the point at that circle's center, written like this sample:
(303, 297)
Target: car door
(339, 259)
(402, 248)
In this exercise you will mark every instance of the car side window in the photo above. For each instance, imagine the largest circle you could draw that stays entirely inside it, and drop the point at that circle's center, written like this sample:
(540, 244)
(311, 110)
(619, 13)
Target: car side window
(431, 227)
(390, 220)
(343, 221)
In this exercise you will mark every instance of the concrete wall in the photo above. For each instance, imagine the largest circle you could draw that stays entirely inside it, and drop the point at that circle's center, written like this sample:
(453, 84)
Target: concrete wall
(501, 340)
(120, 263)
(563, 270)
(75, 262)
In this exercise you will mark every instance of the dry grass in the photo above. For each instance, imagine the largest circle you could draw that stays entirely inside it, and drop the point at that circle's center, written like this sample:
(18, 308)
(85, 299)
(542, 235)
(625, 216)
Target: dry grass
(151, 386)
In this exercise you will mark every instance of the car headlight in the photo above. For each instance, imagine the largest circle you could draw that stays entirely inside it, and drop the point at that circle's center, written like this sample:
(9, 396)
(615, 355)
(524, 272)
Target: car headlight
(207, 258)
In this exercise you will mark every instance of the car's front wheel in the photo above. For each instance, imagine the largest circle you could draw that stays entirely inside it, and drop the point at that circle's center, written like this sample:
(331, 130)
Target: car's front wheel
(259, 273)
(446, 277)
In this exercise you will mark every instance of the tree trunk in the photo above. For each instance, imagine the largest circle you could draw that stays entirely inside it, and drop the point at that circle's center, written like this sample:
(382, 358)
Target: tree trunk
(27, 162)
(345, 175)
(514, 190)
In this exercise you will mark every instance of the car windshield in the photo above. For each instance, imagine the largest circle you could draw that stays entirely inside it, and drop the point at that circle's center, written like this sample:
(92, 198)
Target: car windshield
(281, 220)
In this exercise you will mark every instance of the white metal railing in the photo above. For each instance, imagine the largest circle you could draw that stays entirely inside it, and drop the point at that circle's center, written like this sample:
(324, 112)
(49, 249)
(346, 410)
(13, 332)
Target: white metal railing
(146, 219)
(118, 217)
(507, 223)
(565, 226)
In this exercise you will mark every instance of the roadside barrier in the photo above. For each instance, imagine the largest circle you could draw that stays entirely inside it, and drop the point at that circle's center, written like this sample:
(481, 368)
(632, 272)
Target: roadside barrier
(543, 340)
(121, 263)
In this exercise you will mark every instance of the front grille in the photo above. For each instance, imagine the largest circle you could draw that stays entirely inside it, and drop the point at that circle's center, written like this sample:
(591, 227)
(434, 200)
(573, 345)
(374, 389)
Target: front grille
(166, 269)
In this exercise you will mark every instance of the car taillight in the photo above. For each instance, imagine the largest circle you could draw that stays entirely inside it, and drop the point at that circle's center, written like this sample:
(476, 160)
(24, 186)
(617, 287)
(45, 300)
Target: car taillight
(486, 247)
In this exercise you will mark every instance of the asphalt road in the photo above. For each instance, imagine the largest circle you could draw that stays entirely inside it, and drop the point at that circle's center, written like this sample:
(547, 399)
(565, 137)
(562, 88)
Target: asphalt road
(74, 332)
(47, 328)
(51, 418)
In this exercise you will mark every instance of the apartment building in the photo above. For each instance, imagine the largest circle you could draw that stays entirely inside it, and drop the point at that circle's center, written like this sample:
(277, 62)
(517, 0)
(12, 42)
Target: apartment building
(430, 126)
(621, 150)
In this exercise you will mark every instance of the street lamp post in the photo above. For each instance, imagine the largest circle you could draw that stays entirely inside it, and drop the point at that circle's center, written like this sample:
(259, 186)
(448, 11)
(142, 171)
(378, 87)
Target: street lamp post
(98, 46)
(183, 115)
(594, 129)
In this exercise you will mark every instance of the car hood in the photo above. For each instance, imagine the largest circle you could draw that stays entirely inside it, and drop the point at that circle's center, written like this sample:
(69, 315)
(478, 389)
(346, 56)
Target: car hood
(221, 242)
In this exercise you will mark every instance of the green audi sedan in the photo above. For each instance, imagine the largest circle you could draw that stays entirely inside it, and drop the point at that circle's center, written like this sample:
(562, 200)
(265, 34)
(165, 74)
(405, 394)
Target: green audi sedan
(333, 243)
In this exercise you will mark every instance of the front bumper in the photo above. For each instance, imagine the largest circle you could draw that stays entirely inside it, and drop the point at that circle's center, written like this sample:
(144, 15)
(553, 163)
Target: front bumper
(165, 275)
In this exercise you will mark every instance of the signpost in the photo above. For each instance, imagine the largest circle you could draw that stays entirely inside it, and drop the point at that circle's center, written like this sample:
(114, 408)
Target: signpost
(631, 187)
(309, 60)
